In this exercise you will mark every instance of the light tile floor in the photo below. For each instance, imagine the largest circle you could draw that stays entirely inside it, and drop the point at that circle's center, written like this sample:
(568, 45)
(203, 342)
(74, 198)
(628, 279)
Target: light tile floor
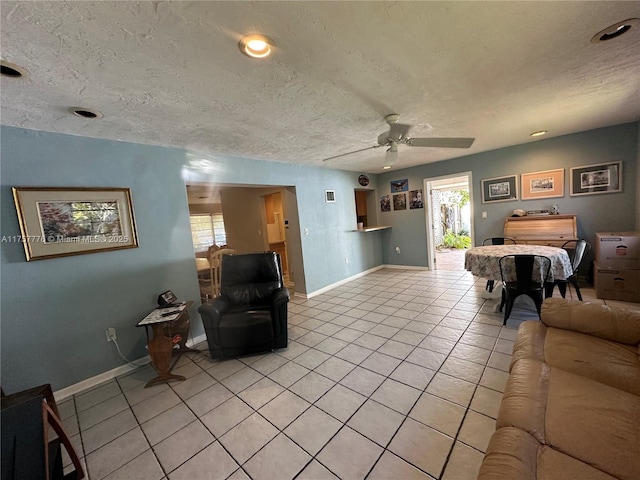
(396, 375)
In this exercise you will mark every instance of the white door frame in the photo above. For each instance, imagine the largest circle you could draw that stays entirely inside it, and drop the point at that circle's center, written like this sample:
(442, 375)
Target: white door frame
(431, 249)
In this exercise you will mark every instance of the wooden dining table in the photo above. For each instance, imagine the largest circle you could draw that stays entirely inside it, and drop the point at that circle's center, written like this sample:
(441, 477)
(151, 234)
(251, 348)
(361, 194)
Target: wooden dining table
(202, 265)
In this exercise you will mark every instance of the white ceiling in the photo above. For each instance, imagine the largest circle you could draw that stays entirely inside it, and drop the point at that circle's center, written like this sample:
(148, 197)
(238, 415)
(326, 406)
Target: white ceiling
(171, 74)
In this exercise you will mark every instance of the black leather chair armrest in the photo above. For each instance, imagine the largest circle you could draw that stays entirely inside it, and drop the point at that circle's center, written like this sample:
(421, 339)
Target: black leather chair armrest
(211, 314)
(214, 309)
(280, 296)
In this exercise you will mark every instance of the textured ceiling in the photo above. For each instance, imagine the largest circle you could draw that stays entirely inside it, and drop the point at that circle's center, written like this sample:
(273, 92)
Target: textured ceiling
(171, 74)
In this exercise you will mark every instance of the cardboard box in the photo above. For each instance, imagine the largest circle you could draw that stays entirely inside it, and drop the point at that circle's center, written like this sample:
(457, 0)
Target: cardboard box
(617, 284)
(618, 250)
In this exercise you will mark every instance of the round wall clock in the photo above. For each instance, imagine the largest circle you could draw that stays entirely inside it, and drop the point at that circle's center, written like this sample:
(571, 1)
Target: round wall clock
(363, 180)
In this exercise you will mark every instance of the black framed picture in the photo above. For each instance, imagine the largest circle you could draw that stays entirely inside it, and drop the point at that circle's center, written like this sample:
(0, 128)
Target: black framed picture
(500, 189)
(592, 179)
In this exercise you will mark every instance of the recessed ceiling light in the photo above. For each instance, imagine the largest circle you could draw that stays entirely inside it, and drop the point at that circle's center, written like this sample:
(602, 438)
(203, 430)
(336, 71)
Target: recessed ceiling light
(614, 31)
(12, 70)
(386, 167)
(86, 112)
(256, 46)
(538, 133)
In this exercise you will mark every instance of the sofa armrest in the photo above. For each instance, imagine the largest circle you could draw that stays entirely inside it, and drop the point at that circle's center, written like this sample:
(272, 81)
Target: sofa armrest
(610, 323)
(529, 342)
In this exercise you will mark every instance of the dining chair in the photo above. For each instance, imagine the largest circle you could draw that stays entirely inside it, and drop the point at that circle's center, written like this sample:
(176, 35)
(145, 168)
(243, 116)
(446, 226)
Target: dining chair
(576, 249)
(496, 241)
(523, 275)
(210, 281)
(215, 261)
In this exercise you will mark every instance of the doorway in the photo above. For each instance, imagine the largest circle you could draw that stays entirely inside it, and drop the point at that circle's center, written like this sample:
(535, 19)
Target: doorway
(248, 225)
(449, 220)
(275, 228)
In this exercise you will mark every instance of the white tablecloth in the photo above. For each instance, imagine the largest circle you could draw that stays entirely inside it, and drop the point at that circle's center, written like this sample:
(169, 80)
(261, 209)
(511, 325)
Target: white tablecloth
(484, 261)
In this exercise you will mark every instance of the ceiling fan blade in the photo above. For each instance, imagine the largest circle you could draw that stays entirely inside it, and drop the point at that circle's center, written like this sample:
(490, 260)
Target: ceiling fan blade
(441, 142)
(349, 153)
(398, 131)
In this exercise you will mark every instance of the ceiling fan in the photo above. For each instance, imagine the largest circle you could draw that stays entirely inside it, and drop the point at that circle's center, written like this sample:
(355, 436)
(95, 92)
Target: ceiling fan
(397, 135)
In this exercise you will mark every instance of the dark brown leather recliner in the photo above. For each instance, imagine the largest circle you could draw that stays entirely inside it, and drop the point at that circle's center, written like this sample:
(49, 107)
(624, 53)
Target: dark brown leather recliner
(250, 315)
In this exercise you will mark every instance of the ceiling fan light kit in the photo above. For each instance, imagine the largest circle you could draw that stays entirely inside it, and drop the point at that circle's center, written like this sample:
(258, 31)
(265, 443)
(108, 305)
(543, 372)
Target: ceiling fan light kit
(398, 134)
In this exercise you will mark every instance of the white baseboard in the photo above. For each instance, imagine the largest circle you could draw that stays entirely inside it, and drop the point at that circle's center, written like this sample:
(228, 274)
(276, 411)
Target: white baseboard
(89, 383)
(406, 267)
(361, 274)
(342, 282)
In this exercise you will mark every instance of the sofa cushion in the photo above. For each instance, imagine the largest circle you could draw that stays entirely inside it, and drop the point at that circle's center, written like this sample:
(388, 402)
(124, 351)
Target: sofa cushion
(589, 421)
(513, 454)
(609, 323)
(612, 363)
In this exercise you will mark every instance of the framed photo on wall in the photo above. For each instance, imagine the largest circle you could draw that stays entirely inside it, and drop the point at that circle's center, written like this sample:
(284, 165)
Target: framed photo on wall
(415, 199)
(500, 189)
(545, 184)
(592, 179)
(385, 203)
(56, 222)
(400, 185)
(400, 201)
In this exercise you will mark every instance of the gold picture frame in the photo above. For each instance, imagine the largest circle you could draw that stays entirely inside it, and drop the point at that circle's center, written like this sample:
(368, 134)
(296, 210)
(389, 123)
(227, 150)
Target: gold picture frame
(62, 221)
(544, 184)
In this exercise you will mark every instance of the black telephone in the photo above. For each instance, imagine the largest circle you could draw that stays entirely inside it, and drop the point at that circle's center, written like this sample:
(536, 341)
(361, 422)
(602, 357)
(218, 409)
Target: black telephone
(167, 299)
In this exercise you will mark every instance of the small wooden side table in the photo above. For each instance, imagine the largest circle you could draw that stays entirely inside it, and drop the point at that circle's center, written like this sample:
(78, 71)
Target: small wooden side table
(170, 327)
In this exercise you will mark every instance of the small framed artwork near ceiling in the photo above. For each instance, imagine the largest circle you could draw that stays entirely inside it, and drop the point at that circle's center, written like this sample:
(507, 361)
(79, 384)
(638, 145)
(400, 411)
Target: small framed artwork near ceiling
(400, 185)
(592, 179)
(500, 189)
(545, 184)
(61, 221)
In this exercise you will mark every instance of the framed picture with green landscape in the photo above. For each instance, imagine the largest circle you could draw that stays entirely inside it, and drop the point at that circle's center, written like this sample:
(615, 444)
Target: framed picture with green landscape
(60, 221)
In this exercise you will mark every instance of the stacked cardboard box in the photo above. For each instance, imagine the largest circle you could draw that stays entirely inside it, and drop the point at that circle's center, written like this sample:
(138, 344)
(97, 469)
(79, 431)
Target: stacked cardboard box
(617, 266)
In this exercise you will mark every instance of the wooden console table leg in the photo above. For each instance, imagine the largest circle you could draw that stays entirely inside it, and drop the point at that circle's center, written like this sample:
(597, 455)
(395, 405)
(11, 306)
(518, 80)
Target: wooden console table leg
(160, 351)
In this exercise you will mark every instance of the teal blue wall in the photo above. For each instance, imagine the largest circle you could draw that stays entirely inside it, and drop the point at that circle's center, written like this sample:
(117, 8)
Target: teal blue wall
(54, 312)
(596, 213)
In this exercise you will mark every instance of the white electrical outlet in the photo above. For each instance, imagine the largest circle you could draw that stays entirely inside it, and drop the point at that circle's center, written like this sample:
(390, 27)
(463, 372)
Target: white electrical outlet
(397, 249)
(346, 260)
(111, 334)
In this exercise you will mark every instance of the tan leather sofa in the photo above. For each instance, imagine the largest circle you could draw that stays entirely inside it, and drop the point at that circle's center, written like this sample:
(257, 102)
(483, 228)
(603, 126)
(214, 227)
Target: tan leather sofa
(571, 408)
